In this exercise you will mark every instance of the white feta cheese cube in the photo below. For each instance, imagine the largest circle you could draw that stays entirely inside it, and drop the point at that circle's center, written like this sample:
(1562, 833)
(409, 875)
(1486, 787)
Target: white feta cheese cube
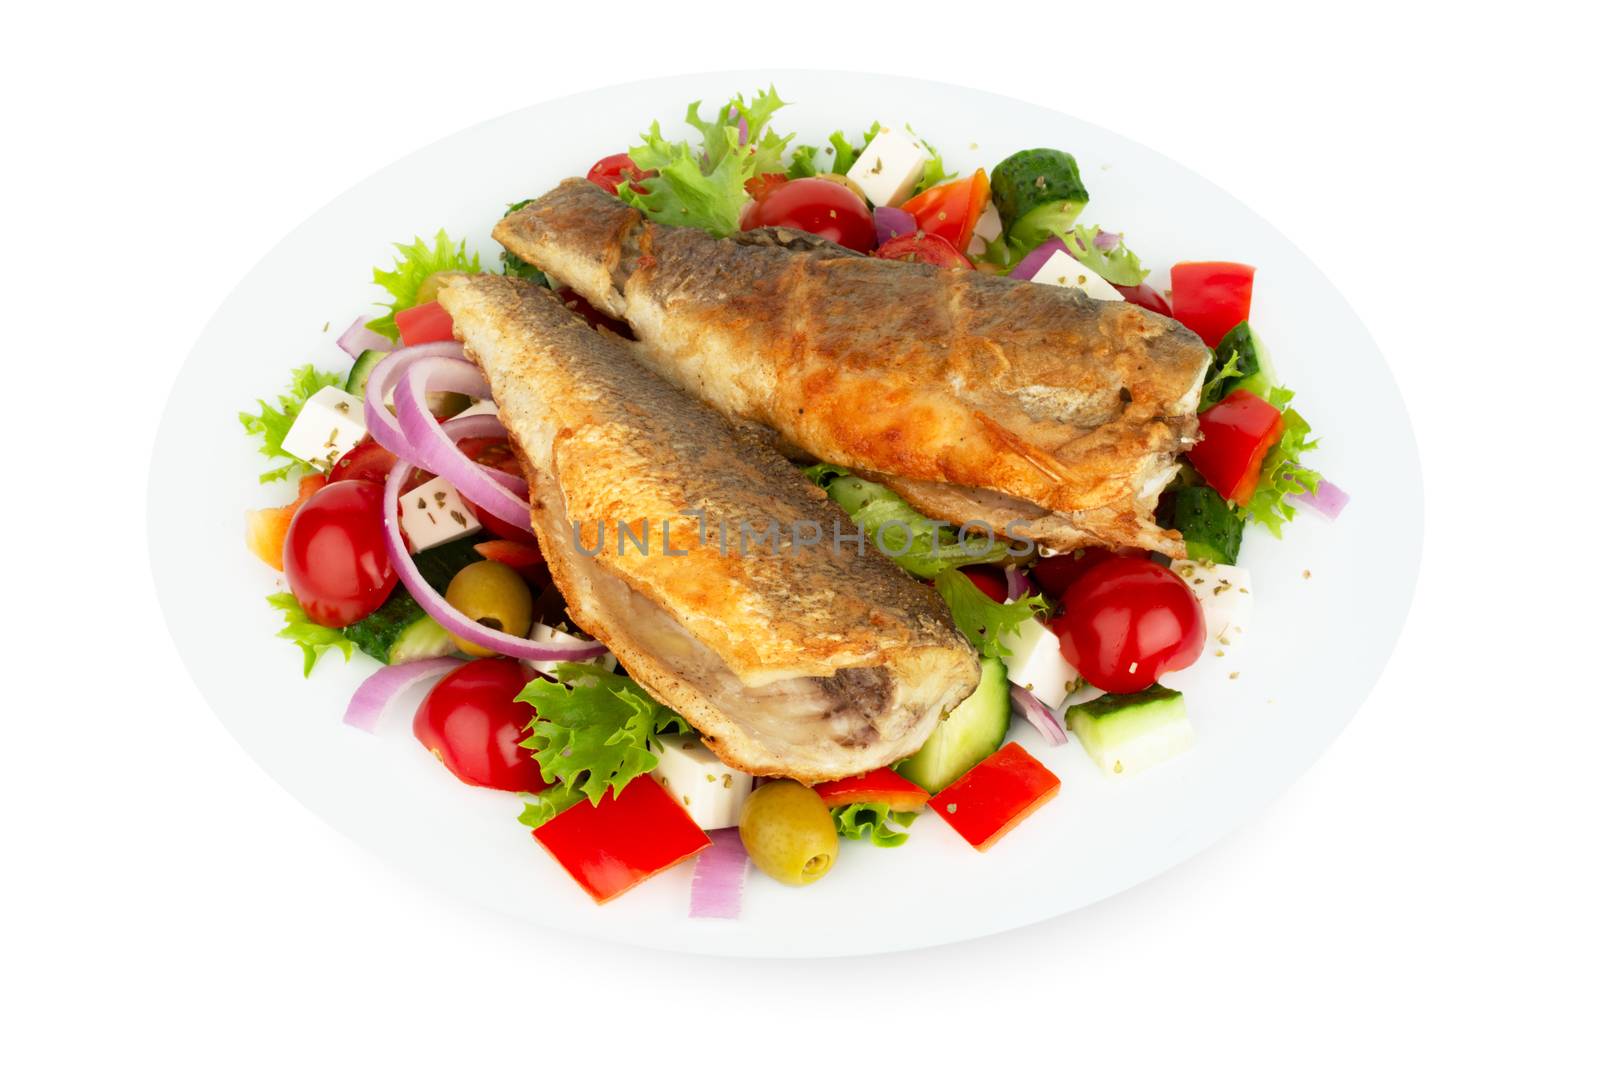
(541, 632)
(331, 424)
(889, 167)
(1061, 269)
(1224, 595)
(479, 407)
(989, 225)
(709, 790)
(1037, 665)
(434, 514)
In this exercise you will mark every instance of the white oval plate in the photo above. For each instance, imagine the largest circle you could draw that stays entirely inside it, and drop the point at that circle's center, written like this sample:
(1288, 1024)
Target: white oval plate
(1315, 649)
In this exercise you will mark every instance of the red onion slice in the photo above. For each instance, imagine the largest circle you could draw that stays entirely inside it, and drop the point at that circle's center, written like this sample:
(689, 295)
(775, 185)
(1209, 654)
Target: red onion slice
(442, 611)
(892, 222)
(717, 891)
(1039, 715)
(358, 339)
(429, 444)
(381, 422)
(373, 696)
(1017, 584)
(1328, 499)
(1030, 263)
(1105, 242)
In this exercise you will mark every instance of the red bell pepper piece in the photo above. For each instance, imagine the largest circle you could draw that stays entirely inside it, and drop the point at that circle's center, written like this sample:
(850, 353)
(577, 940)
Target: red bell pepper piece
(1145, 296)
(1236, 434)
(986, 802)
(881, 786)
(424, 323)
(927, 248)
(520, 556)
(612, 846)
(1212, 298)
(951, 210)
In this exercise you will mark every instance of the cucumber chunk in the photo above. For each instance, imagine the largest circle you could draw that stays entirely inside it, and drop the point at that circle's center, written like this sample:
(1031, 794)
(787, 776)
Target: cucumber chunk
(1034, 179)
(1211, 527)
(972, 731)
(1126, 733)
(356, 384)
(1253, 363)
(400, 631)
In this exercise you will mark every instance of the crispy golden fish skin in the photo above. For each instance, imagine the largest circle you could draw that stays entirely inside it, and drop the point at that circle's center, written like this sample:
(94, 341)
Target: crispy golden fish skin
(982, 396)
(793, 659)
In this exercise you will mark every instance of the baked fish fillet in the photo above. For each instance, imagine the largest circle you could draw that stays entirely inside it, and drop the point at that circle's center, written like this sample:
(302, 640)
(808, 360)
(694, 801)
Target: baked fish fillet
(805, 662)
(980, 397)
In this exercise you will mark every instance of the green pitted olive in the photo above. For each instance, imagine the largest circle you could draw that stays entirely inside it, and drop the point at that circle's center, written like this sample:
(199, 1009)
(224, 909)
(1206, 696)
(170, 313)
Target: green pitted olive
(789, 833)
(494, 595)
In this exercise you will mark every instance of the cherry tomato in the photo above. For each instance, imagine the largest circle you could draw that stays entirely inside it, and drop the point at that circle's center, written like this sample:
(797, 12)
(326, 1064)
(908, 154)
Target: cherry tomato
(923, 248)
(1235, 436)
(591, 314)
(1146, 297)
(1127, 622)
(472, 722)
(762, 184)
(495, 452)
(335, 558)
(1212, 298)
(824, 208)
(424, 323)
(1055, 574)
(952, 210)
(990, 580)
(367, 462)
(611, 171)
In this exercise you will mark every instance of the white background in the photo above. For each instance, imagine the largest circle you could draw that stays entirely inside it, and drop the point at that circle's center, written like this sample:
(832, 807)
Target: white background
(1427, 891)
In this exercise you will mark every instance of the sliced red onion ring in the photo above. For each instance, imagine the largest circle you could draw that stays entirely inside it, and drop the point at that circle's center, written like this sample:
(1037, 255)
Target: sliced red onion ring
(373, 696)
(358, 339)
(1105, 242)
(892, 222)
(744, 132)
(429, 444)
(717, 891)
(443, 612)
(381, 423)
(1328, 499)
(1039, 714)
(1017, 584)
(1030, 263)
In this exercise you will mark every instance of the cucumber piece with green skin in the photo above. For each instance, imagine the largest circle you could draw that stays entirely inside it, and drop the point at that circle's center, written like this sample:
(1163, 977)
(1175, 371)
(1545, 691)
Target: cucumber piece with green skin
(1253, 363)
(400, 631)
(356, 384)
(1126, 733)
(1033, 179)
(1212, 528)
(971, 732)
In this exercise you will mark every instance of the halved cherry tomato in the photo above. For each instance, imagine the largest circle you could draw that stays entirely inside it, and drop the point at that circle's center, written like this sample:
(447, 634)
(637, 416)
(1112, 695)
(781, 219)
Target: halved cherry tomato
(1146, 297)
(951, 210)
(266, 530)
(367, 462)
(1236, 434)
(824, 208)
(1212, 298)
(923, 248)
(472, 722)
(334, 555)
(991, 581)
(424, 323)
(1127, 622)
(612, 171)
(881, 786)
(762, 184)
(591, 314)
(495, 452)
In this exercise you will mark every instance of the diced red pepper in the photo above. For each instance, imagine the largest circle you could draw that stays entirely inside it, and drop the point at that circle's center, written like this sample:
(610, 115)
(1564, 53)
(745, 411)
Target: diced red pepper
(610, 847)
(1236, 434)
(1212, 298)
(952, 210)
(520, 556)
(424, 323)
(1145, 296)
(881, 786)
(986, 802)
(266, 530)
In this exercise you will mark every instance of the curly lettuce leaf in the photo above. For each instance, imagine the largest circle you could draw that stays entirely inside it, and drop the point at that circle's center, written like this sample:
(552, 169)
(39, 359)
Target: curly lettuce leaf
(413, 266)
(272, 423)
(313, 639)
(1283, 475)
(915, 542)
(513, 265)
(982, 621)
(874, 823)
(1118, 265)
(765, 146)
(1217, 379)
(591, 733)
